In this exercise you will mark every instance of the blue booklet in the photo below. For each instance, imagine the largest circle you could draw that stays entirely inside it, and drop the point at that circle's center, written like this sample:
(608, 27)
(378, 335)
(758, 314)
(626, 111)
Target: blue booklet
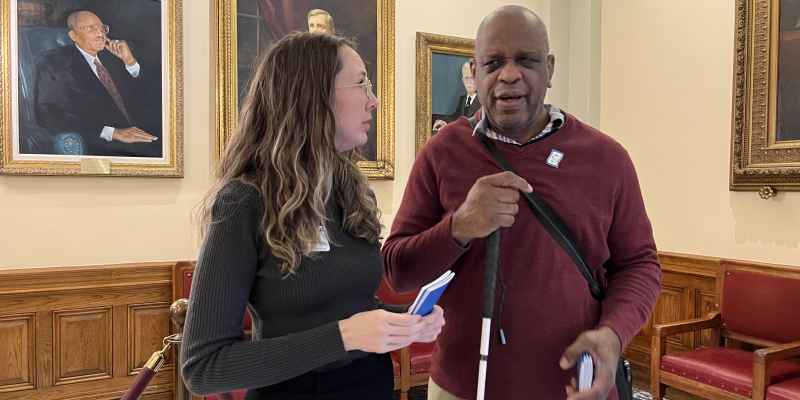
(429, 294)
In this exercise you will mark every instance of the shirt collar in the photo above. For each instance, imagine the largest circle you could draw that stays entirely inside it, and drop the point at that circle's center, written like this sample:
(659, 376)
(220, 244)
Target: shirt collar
(89, 58)
(557, 119)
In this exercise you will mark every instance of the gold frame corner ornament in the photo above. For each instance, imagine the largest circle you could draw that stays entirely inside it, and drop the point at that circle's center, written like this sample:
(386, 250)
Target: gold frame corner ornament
(172, 168)
(758, 160)
(227, 109)
(427, 44)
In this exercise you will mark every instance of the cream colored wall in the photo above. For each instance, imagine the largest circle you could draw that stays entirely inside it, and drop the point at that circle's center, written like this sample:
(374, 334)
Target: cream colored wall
(48, 221)
(665, 75)
(666, 81)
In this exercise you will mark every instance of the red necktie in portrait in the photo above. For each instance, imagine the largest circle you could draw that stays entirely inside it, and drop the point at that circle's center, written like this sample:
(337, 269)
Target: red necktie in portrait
(105, 79)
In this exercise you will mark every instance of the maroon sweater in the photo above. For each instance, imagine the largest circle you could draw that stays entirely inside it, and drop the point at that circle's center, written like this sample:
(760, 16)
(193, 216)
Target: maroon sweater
(547, 303)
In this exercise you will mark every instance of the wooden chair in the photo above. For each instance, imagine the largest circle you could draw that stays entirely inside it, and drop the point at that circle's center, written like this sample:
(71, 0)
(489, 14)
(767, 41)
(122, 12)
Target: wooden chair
(757, 332)
(413, 361)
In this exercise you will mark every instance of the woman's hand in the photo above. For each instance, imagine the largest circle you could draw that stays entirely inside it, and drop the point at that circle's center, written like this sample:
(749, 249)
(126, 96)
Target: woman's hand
(433, 325)
(380, 331)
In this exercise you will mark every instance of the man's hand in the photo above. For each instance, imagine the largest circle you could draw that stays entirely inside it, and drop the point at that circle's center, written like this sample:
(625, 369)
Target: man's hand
(132, 135)
(491, 203)
(433, 325)
(605, 348)
(439, 124)
(121, 49)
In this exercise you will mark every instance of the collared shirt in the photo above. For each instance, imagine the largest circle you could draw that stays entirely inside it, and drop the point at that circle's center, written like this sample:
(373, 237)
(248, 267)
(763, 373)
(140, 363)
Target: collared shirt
(132, 69)
(557, 119)
(470, 99)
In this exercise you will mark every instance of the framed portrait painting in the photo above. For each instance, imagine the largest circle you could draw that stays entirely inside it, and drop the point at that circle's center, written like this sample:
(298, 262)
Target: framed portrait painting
(91, 87)
(247, 28)
(445, 86)
(765, 148)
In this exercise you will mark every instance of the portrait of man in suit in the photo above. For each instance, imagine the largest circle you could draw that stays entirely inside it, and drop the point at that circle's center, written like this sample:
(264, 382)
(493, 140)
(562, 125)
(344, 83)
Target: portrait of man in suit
(260, 23)
(94, 88)
(467, 103)
(789, 71)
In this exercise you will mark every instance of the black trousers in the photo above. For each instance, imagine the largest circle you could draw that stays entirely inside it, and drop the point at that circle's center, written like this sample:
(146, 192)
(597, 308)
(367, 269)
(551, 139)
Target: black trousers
(369, 378)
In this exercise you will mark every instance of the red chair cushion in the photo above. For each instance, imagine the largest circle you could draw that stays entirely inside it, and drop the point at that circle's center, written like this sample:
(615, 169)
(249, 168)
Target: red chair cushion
(387, 294)
(421, 357)
(724, 368)
(396, 362)
(746, 297)
(187, 284)
(786, 390)
(237, 395)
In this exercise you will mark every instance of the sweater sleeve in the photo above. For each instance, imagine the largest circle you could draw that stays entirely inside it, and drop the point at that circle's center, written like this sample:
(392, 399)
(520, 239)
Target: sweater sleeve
(633, 271)
(214, 357)
(420, 246)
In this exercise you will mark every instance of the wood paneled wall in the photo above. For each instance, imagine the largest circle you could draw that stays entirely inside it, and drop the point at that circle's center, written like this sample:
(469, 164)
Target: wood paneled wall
(688, 290)
(83, 332)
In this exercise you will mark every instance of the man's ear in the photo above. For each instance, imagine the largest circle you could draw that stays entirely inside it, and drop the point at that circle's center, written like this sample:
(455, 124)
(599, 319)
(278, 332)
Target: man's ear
(551, 68)
(72, 35)
(472, 66)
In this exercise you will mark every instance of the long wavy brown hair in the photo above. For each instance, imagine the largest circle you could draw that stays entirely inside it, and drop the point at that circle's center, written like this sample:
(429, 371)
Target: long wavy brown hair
(284, 147)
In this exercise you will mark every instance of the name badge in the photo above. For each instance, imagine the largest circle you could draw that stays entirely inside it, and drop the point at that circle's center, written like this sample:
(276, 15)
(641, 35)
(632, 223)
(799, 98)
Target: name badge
(323, 244)
(554, 158)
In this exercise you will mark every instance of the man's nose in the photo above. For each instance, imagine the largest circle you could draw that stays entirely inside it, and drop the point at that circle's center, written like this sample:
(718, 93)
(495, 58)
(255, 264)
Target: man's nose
(510, 72)
(373, 103)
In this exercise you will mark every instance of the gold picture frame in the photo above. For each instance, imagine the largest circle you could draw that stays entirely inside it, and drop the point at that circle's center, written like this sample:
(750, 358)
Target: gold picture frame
(759, 160)
(28, 148)
(429, 44)
(227, 88)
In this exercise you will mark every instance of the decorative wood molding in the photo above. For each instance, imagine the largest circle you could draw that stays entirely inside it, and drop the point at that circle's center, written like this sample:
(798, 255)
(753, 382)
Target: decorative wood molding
(758, 160)
(82, 345)
(145, 323)
(121, 311)
(83, 332)
(427, 45)
(227, 83)
(18, 371)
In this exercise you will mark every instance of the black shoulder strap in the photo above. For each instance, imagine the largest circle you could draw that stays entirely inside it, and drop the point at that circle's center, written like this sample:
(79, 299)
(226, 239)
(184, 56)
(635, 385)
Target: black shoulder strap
(551, 221)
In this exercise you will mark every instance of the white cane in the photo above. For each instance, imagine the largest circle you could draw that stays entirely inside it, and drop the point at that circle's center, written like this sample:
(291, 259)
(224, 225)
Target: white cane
(490, 280)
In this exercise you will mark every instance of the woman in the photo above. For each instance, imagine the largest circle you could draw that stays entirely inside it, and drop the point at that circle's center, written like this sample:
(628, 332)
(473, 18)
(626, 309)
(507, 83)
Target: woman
(291, 232)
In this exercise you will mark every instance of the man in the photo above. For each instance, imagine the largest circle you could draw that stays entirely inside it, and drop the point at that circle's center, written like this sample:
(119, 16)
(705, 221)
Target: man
(91, 88)
(455, 197)
(467, 104)
(320, 21)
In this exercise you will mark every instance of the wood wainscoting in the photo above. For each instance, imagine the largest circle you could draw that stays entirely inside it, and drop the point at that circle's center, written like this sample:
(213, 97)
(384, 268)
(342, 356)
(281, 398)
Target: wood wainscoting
(83, 332)
(688, 290)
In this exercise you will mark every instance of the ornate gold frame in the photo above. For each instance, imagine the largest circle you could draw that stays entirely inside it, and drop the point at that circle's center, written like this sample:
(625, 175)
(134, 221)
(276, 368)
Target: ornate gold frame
(226, 103)
(173, 167)
(758, 161)
(427, 44)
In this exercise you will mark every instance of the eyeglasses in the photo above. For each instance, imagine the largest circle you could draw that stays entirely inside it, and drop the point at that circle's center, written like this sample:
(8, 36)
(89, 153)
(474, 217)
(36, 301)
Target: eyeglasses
(366, 85)
(94, 28)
